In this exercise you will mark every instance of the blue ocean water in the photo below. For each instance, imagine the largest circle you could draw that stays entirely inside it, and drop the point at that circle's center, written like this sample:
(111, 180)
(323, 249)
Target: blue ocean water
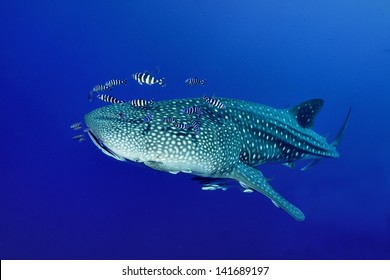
(60, 199)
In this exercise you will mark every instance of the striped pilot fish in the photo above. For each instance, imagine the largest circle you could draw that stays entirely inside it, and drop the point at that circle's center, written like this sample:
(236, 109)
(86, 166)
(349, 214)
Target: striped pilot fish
(193, 110)
(181, 125)
(213, 102)
(109, 99)
(141, 102)
(115, 82)
(148, 117)
(99, 88)
(195, 81)
(195, 125)
(170, 120)
(96, 89)
(148, 79)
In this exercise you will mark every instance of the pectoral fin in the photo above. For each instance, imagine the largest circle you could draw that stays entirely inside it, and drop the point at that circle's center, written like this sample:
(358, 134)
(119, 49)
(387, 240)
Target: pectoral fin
(254, 179)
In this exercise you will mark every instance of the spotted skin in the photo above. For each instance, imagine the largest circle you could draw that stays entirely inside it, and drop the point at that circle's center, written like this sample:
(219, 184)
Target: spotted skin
(229, 143)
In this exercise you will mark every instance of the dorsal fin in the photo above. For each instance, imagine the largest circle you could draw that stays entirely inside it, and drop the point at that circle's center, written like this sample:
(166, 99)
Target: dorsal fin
(306, 112)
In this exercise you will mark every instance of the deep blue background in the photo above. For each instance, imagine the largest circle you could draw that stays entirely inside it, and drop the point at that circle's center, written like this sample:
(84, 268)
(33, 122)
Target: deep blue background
(60, 199)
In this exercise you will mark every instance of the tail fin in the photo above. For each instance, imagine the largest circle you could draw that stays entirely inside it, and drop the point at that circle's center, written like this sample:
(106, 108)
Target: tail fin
(335, 142)
(340, 135)
(162, 82)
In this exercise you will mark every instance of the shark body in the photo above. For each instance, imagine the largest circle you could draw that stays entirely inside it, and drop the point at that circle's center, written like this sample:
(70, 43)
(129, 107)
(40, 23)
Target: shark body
(230, 142)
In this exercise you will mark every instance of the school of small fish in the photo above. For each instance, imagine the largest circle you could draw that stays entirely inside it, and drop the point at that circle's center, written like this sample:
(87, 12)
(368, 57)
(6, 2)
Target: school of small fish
(79, 137)
(148, 78)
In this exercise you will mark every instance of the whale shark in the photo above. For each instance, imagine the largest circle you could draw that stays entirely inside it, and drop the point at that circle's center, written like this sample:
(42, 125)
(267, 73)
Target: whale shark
(230, 140)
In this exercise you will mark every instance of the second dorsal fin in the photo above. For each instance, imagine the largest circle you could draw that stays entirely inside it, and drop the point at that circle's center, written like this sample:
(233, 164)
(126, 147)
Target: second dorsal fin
(306, 112)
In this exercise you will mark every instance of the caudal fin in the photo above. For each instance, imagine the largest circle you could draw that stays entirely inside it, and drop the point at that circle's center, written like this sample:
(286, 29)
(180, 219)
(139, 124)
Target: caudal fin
(162, 82)
(340, 134)
(335, 142)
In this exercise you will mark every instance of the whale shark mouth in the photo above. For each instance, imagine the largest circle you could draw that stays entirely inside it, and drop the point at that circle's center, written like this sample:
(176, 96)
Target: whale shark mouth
(99, 143)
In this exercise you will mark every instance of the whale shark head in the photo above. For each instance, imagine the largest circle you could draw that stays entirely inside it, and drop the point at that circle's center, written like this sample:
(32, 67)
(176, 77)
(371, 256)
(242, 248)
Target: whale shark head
(118, 132)
(163, 137)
